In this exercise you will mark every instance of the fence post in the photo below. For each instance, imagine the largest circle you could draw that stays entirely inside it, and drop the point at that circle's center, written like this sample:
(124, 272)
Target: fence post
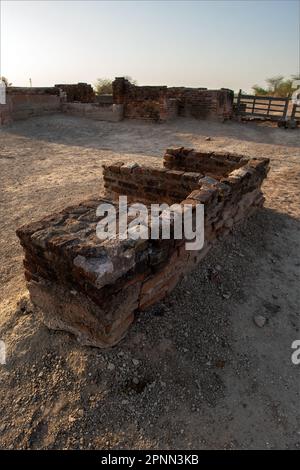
(238, 102)
(285, 109)
(293, 112)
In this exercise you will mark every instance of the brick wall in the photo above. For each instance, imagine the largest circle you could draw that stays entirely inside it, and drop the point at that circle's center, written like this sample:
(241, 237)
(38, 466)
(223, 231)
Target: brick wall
(217, 163)
(92, 288)
(147, 184)
(25, 102)
(162, 103)
(81, 92)
(97, 111)
(6, 113)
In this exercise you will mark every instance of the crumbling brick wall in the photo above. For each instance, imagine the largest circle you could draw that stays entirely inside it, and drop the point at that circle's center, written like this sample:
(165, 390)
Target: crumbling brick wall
(96, 111)
(147, 184)
(81, 92)
(139, 102)
(91, 287)
(215, 163)
(202, 103)
(6, 113)
(25, 102)
(162, 103)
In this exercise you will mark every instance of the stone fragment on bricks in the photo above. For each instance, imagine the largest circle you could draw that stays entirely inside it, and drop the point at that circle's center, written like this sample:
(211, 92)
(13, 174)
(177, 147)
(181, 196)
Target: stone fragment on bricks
(131, 165)
(175, 174)
(114, 167)
(192, 176)
(207, 181)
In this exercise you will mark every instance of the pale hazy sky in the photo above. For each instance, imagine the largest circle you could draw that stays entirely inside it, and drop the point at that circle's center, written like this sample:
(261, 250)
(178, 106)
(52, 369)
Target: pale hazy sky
(232, 44)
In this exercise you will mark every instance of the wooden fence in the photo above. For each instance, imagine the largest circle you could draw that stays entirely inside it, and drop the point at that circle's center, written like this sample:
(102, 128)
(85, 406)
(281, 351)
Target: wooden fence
(263, 107)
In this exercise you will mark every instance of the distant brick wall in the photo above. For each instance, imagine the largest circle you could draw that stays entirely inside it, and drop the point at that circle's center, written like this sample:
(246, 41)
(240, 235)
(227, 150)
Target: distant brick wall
(139, 102)
(201, 103)
(96, 111)
(163, 103)
(81, 92)
(6, 113)
(25, 102)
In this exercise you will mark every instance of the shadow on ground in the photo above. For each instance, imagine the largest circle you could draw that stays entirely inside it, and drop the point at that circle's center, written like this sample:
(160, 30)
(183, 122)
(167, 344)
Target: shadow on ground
(147, 137)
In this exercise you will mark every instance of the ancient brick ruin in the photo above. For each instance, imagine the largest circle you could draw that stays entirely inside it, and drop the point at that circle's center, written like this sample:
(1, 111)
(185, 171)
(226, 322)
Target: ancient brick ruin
(92, 288)
(79, 92)
(26, 102)
(152, 103)
(161, 103)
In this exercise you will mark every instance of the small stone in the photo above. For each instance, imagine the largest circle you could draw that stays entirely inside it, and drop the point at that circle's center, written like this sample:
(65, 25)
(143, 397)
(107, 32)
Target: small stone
(226, 295)
(259, 320)
(208, 138)
(135, 362)
(135, 380)
(111, 366)
(131, 165)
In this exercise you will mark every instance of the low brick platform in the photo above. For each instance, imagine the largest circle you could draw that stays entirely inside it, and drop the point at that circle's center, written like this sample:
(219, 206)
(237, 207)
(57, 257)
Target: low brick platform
(91, 287)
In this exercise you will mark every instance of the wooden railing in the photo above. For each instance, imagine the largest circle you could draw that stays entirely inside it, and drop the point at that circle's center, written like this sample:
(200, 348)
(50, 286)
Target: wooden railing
(264, 107)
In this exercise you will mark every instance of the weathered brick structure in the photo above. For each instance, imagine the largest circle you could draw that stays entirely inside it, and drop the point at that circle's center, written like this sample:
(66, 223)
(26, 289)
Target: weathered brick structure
(91, 287)
(163, 103)
(154, 103)
(79, 92)
(25, 102)
(97, 111)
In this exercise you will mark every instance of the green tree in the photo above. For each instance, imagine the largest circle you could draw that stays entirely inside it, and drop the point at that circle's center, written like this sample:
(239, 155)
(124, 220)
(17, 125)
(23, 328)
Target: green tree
(274, 83)
(103, 86)
(259, 91)
(277, 86)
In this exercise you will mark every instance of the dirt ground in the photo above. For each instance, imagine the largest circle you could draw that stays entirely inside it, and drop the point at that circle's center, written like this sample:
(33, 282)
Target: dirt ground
(195, 371)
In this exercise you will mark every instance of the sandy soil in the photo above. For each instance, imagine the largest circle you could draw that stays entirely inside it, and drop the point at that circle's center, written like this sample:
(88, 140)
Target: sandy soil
(195, 371)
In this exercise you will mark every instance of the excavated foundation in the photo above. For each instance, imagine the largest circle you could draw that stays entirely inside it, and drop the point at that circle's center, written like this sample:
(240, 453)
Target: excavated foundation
(92, 287)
